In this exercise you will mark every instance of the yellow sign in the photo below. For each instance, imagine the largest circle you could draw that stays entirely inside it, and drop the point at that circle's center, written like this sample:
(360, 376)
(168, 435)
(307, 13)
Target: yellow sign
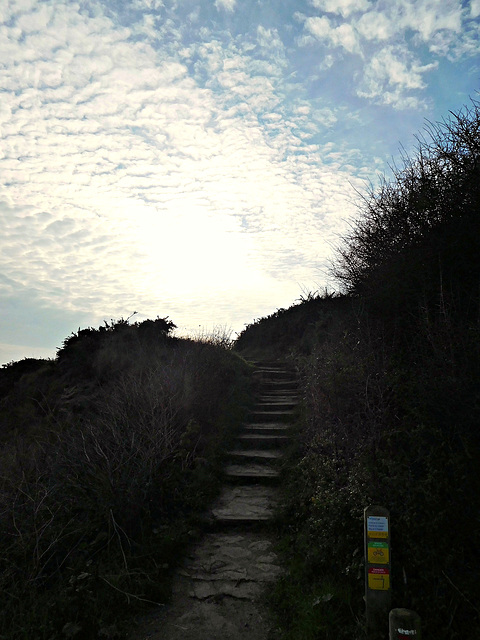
(379, 578)
(378, 553)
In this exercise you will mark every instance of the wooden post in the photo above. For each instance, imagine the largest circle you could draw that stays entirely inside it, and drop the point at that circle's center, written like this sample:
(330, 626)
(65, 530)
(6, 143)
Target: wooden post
(404, 625)
(377, 571)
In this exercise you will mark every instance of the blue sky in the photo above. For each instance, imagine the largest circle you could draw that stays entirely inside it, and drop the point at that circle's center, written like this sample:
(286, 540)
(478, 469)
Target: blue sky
(199, 159)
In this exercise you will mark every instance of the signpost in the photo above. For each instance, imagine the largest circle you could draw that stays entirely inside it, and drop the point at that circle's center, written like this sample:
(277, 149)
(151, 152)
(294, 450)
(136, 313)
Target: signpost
(404, 625)
(377, 570)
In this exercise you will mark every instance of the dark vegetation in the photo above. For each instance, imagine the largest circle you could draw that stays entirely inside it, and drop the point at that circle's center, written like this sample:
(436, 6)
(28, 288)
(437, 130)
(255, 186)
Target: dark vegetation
(390, 377)
(108, 456)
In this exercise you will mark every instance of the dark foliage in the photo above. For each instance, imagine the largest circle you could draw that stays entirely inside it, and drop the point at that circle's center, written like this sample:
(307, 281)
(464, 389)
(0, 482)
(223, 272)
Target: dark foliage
(417, 239)
(78, 351)
(391, 389)
(296, 327)
(12, 372)
(110, 457)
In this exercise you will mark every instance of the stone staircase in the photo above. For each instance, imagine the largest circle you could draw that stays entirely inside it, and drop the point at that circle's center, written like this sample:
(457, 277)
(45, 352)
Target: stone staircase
(249, 495)
(219, 588)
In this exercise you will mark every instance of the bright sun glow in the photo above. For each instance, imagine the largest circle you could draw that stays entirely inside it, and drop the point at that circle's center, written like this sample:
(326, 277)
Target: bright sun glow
(191, 249)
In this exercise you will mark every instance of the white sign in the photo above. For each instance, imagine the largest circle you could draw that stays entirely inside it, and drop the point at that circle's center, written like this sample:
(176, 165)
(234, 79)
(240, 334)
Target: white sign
(378, 524)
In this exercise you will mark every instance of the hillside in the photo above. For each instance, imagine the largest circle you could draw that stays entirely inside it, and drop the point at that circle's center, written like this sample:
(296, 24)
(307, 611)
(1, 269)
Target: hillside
(390, 376)
(109, 455)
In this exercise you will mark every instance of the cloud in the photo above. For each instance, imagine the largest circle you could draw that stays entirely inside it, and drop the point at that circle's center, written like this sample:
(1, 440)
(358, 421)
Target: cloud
(428, 17)
(342, 7)
(342, 36)
(319, 27)
(174, 159)
(269, 41)
(419, 34)
(142, 178)
(148, 5)
(14, 352)
(226, 5)
(391, 73)
(375, 26)
(26, 315)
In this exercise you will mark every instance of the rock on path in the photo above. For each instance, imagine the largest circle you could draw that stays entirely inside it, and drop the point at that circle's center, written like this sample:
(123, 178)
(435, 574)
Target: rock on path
(218, 591)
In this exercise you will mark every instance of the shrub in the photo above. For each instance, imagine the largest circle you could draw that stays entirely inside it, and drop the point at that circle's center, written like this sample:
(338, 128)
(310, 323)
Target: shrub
(398, 430)
(415, 241)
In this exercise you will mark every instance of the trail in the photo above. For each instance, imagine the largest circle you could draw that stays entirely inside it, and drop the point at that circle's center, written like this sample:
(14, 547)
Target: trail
(218, 590)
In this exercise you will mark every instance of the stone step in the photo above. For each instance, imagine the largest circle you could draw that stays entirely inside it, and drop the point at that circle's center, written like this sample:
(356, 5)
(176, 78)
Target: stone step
(275, 372)
(273, 364)
(235, 565)
(279, 395)
(275, 367)
(275, 405)
(280, 415)
(265, 455)
(262, 441)
(279, 385)
(272, 428)
(288, 394)
(243, 505)
(287, 382)
(251, 472)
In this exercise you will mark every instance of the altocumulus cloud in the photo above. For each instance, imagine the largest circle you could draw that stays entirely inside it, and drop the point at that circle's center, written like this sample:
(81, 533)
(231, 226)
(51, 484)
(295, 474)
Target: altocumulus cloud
(189, 158)
(228, 5)
(388, 40)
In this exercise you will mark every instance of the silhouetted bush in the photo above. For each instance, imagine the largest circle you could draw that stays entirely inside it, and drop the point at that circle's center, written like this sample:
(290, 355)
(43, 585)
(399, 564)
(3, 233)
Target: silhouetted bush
(416, 240)
(297, 327)
(79, 350)
(12, 372)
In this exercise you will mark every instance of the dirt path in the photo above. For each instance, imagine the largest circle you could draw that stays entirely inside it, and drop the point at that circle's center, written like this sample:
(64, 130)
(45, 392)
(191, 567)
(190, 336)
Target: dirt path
(218, 591)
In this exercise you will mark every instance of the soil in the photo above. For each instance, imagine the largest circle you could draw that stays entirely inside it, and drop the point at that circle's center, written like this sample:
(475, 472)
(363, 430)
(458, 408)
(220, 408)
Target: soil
(218, 592)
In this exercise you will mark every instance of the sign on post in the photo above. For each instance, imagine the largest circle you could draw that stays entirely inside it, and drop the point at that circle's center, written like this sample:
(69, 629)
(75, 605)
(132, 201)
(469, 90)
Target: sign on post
(377, 570)
(404, 625)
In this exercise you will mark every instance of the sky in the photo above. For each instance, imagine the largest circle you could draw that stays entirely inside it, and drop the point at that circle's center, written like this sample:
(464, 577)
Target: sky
(201, 159)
